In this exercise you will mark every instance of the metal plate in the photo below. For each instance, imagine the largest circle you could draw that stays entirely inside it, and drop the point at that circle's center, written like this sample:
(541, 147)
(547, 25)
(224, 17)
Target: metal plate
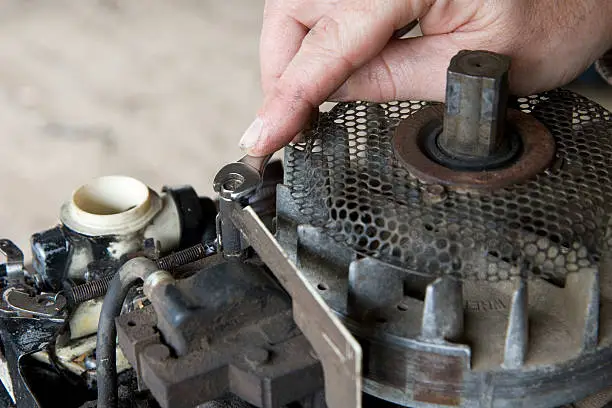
(337, 349)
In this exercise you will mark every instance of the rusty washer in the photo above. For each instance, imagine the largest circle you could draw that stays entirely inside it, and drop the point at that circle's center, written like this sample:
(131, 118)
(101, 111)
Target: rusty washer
(474, 141)
(538, 150)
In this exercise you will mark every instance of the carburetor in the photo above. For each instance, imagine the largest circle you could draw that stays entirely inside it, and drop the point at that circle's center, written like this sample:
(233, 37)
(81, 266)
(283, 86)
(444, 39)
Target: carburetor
(409, 254)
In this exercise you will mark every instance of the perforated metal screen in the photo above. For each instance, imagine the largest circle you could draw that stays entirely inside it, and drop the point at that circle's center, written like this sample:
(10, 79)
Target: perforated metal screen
(346, 178)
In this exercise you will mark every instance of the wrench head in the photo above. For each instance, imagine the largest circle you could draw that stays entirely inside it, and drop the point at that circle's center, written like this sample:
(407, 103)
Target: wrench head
(236, 181)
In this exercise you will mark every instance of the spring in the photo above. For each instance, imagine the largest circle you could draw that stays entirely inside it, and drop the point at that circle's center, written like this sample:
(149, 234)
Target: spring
(183, 257)
(90, 290)
(98, 288)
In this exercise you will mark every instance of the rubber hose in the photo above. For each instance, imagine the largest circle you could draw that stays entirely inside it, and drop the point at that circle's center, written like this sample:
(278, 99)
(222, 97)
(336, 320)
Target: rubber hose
(106, 348)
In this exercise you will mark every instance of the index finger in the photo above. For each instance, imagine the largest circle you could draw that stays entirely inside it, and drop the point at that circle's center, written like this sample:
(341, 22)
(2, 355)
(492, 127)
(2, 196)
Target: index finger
(281, 37)
(340, 42)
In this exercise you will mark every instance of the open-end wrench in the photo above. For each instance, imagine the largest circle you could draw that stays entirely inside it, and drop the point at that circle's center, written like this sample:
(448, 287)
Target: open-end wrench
(237, 181)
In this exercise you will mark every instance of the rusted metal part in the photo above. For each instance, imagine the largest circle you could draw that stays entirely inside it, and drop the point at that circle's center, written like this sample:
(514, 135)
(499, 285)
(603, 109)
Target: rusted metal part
(476, 102)
(538, 152)
(439, 369)
(349, 200)
(238, 337)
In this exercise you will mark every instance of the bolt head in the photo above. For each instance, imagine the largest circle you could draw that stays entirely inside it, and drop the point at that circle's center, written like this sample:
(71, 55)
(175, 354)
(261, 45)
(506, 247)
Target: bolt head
(480, 65)
(157, 352)
(434, 194)
(257, 357)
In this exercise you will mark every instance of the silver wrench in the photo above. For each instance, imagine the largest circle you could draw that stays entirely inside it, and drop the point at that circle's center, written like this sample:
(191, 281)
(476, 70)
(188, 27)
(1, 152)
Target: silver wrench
(241, 179)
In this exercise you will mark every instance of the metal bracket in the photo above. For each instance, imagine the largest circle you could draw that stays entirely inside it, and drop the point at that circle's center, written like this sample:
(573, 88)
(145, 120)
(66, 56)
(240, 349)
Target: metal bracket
(13, 267)
(44, 305)
(340, 354)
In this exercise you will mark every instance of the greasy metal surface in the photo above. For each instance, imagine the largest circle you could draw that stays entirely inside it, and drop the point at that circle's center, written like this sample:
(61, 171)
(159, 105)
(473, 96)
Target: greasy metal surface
(476, 101)
(21, 337)
(338, 351)
(346, 179)
(239, 335)
(538, 149)
(42, 305)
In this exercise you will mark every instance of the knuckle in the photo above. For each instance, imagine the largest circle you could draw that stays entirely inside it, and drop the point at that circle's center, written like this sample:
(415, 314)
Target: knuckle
(324, 42)
(383, 81)
(324, 35)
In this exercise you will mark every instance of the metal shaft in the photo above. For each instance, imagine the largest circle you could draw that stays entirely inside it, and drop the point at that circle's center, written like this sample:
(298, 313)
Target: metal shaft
(476, 101)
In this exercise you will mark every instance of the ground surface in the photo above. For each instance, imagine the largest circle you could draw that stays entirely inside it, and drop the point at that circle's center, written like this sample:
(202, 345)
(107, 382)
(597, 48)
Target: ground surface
(159, 90)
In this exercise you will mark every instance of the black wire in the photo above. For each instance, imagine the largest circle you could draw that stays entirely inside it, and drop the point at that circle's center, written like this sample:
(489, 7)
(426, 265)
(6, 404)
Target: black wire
(106, 358)
(59, 369)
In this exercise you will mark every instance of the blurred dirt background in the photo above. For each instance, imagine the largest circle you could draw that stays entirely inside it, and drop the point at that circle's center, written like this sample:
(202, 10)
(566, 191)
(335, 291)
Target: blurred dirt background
(158, 90)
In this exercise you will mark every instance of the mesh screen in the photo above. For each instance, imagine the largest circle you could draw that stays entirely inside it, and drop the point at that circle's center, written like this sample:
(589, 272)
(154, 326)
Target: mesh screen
(346, 179)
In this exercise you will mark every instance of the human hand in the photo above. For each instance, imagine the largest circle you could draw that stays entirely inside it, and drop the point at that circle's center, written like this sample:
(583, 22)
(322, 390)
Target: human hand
(314, 50)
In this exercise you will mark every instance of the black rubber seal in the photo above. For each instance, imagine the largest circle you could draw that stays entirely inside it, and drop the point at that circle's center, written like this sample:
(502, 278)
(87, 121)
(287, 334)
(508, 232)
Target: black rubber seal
(505, 157)
(196, 213)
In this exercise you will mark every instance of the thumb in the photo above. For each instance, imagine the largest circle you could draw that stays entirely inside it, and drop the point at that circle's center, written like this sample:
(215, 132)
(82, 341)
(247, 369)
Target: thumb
(413, 68)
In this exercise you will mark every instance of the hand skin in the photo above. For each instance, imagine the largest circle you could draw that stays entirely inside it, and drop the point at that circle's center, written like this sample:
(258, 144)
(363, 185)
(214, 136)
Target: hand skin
(317, 50)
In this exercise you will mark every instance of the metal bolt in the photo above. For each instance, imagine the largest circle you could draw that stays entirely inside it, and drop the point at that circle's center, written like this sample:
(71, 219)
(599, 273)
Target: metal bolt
(434, 194)
(157, 352)
(228, 235)
(90, 363)
(184, 257)
(256, 357)
(89, 290)
(476, 101)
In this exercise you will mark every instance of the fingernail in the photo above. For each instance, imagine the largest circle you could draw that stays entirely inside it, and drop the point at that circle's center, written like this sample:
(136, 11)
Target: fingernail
(252, 135)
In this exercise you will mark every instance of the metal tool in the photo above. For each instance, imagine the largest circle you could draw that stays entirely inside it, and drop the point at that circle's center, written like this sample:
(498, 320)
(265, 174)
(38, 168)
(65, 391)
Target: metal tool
(340, 354)
(242, 178)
